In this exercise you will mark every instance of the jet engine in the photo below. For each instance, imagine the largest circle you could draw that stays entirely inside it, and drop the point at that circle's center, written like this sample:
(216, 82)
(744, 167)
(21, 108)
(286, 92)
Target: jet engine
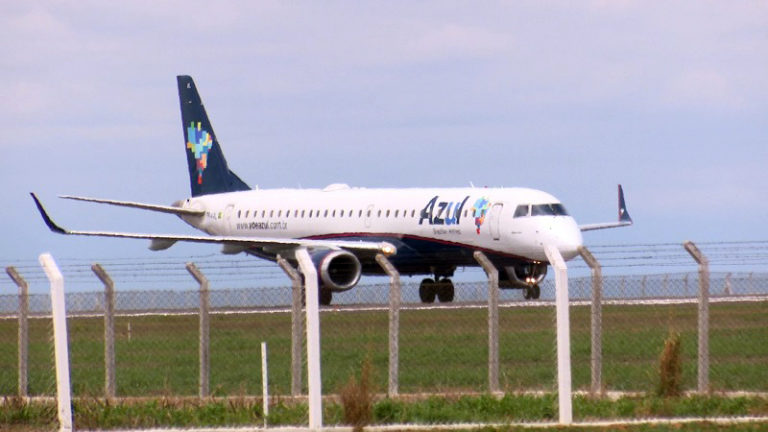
(524, 275)
(338, 270)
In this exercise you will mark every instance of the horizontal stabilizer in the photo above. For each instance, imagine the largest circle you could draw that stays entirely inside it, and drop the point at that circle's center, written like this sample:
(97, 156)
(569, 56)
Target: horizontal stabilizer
(153, 207)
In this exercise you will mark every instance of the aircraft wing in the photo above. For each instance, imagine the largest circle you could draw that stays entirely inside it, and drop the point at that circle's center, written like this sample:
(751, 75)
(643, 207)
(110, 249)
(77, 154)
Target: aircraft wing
(232, 243)
(624, 218)
(158, 208)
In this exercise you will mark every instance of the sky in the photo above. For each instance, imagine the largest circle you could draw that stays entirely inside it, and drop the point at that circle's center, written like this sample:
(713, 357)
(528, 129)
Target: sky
(669, 99)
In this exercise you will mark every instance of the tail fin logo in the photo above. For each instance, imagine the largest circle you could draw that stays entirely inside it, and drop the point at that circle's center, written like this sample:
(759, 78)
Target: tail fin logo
(199, 142)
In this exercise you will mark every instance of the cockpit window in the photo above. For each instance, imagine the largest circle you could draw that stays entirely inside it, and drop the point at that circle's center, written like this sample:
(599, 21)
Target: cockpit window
(548, 210)
(522, 210)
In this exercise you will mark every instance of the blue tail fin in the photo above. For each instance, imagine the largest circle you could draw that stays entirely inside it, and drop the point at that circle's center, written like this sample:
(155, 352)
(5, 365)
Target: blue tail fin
(208, 170)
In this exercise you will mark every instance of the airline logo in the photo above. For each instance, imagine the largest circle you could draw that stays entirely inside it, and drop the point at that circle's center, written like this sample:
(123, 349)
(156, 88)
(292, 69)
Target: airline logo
(442, 212)
(479, 209)
(199, 142)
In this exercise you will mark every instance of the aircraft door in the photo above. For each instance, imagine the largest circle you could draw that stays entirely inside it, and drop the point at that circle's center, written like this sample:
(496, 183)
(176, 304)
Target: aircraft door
(494, 217)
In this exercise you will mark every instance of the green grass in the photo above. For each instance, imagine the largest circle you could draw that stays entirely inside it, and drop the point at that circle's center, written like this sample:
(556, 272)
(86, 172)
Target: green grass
(440, 350)
(90, 413)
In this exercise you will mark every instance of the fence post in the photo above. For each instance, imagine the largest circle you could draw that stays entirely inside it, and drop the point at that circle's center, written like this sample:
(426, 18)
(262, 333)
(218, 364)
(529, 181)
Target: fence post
(597, 320)
(314, 383)
(703, 366)
(493, 320)
(109, 330)
(23, 329)
(204, 328)
(563, 335)
(60, 342)
(297, 323)
(394, 322)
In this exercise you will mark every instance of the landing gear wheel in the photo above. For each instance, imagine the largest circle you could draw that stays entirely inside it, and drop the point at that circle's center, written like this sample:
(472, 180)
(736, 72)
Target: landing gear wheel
(532, 292)
(427, 291)
(445, 291)
(324, 296)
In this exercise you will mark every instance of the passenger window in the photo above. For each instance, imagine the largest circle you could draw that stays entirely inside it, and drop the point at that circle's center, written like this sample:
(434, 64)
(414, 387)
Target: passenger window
(271, 213)
(302, 213)
(397, 213)
(521, 210)
(325, 214)
(387, 215)
(310, 213)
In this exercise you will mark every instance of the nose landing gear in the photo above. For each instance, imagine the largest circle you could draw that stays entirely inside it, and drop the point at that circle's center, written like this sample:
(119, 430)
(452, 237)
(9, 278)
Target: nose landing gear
(532, 292)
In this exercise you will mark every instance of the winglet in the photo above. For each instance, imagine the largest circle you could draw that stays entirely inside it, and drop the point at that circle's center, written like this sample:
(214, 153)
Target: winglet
(623, 213)
(48, 221)
(624, 218)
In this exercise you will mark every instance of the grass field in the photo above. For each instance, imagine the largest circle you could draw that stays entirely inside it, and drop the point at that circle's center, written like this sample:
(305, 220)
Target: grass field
(441, 350)
(92, 414)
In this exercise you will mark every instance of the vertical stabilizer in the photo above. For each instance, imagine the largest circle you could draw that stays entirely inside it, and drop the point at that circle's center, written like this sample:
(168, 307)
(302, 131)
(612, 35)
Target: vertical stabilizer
(208, 170)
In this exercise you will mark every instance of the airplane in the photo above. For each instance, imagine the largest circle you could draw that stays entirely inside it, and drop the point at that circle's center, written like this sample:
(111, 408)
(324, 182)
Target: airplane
(423, 231)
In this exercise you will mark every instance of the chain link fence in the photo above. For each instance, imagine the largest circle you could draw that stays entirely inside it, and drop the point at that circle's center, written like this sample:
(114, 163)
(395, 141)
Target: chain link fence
(443, 347)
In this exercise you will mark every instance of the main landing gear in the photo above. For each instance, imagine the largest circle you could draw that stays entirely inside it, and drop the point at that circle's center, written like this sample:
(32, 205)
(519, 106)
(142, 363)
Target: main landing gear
(442, 289)
(324, 296)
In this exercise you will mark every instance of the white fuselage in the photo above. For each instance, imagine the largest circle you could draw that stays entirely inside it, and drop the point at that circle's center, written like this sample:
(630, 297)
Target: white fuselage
(508, 222)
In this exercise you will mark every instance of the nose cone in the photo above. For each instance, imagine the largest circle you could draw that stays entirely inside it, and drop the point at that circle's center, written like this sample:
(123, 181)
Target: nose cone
(565, 235)
(569, 241)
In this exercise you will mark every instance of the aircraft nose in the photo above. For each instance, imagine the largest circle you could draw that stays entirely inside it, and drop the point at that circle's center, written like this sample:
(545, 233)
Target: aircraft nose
(569, 241)
(566, 236)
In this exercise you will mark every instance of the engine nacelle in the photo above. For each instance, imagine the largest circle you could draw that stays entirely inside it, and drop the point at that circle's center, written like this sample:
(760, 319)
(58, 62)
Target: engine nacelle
(338, 270)
(523, 275)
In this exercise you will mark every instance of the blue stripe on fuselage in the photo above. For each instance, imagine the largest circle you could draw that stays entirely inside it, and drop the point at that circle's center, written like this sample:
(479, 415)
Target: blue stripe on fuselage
(420, 255)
